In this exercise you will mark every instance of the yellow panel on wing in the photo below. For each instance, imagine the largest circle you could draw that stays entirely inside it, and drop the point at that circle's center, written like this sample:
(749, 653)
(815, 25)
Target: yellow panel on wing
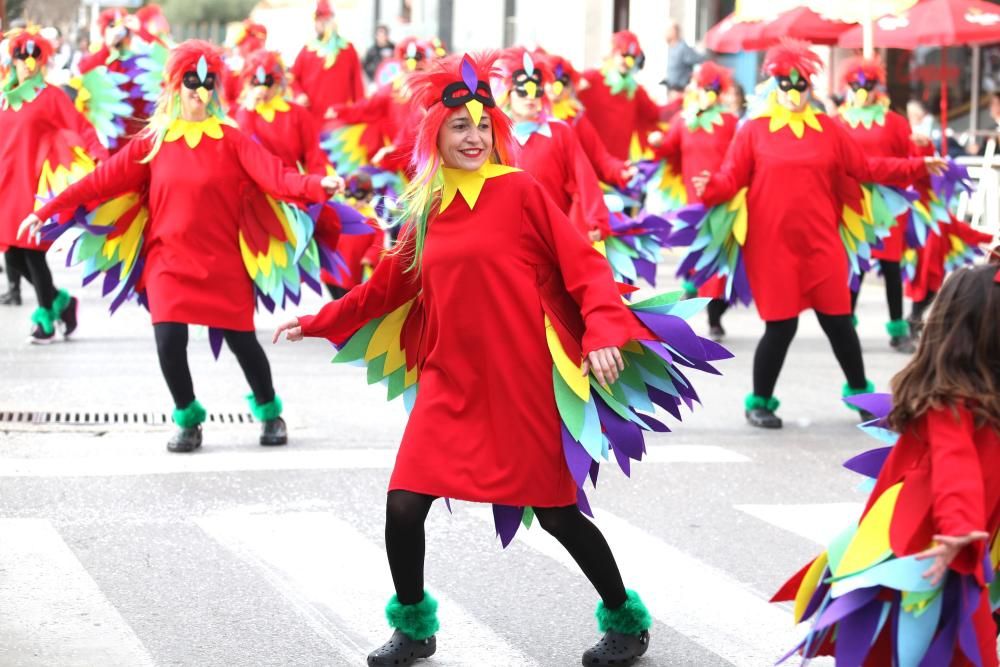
(808, 586)
(870, 544)
(571, 373)
(387, 340)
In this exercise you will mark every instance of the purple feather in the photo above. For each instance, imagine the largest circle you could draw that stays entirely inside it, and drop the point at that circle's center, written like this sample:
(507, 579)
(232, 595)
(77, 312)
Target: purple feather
(856, 633)
(868, 463)
(577, 459)
(507, 520)
(215, 341)
(879, 405)
(469, 74)
(583, 503)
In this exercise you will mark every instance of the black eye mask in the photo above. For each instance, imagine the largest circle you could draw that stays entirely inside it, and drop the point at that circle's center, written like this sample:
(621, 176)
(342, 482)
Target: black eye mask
(785, 84)
(458, 93)
(867, 85)
(192, 81)
(521, 78)
(22, 54)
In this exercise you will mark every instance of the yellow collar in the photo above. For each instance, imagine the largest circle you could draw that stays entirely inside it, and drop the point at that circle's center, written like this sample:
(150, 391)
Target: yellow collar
(267, 110)
(564, 109)
(469, 183)
(795, 120)
(192, 131)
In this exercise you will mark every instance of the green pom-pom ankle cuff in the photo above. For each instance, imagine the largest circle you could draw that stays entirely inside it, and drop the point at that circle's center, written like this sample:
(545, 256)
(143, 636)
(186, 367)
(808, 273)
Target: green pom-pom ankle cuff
(417, 621)
(898, 328)
(689, 287)
(631, 618)
(755, 402)
(854, 321)
(849, 391)
(59, 304)
(191, 416)
(43, 318)
(267, 411)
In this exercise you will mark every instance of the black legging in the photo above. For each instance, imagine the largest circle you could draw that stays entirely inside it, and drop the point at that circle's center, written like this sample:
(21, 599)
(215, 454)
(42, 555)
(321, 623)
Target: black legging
(893, 289)
(171, 348)
(778, 335)
(716, 308)
(920, 307)
(406, 511)
(32, 265)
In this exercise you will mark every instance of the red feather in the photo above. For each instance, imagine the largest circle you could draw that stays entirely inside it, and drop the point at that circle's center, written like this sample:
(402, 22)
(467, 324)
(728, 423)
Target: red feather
(626, 43)
(19, 37)
(709, 73)
(184, 58)
(871, 68)
(791, 54)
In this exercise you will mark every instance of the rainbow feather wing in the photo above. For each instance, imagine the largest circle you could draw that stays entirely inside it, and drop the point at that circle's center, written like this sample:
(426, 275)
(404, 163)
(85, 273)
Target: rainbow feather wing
(150, 63)
(664, 187)
(101, 98)
(633, 249)
(347, 147)
(714, 238)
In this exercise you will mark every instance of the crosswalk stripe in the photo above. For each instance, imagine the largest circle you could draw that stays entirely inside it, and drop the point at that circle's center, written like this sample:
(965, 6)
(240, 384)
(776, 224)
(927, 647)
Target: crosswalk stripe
(161, 462)
(338, 580)
(701, 602)
(820, 522)
(52, 611)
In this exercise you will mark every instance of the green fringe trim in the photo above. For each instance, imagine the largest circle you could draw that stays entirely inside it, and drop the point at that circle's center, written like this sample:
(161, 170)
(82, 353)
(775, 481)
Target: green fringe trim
(190, 416)
(755, 402)
(689, 288)
(266, 412)
(898, 328)
(417, 621)
(629, 619)
(848, 391)
(59, 304)
(43, 318)
(854, 321)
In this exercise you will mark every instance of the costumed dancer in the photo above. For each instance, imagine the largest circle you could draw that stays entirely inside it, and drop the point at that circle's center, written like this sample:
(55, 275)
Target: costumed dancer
(249, 38)
(359, 252)
(697, 141)
(327, 70)
(912, 582)
(185, 218)
(779, 237)
(487, 250)
(617, 106)
(44, 145)
(880, 132)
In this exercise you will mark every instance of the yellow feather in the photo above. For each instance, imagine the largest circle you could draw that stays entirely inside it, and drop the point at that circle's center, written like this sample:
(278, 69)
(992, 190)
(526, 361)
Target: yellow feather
(870, 544)
(740, 223)
(277, 253)
(570, 372)
(386, 340)
(248, 258)
(808, 587)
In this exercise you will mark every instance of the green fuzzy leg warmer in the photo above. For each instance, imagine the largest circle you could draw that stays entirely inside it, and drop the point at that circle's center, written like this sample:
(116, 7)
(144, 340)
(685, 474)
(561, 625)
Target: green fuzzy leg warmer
(898, 328)
(416, 621)
(854, 321)
(755, 402)
(848, 391)
(690, 289)
(59, 304)
(629, 619)
(43, 318)
(266, 412)
(190, 416)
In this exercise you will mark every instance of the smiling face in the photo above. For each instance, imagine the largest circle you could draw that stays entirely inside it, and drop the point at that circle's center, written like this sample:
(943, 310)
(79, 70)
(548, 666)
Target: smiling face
(463, 145)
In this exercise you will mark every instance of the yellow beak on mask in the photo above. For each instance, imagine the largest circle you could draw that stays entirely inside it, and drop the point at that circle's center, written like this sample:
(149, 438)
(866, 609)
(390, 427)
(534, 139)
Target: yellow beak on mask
(795, 97)
(557, 88)
(629, 62)
(475, 108)
(710, 98)
(860, 97)
(531, 88)
(203, 94)
(29, 62)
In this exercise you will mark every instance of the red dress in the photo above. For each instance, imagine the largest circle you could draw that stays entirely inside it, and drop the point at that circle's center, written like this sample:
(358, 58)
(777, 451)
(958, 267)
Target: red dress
(607, 167)
(890, 138)
(618, 117)
(194, 272)
(292, 134)
(40, 130)
(559, 164)
(340, 83)
(485, 426)
(794, 255)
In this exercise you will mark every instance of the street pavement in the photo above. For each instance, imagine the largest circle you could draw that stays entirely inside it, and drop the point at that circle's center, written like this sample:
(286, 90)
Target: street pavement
(114, 552)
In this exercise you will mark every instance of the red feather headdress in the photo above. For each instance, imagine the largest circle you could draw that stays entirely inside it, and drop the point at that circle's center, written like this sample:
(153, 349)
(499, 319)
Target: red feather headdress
(29, 41)
(324, 10)
(259, 65)
(862, 71)
(791, 54)
(251, 36)
(110, 16)
(525, 70)
(186, 57)
(712, 76)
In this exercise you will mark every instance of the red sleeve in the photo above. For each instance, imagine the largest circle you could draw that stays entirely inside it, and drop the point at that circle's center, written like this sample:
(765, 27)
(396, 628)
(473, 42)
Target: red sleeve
(316, 161)
(588, 197)
(670, 149)
(389, 287)
(958, 498)
(357, 81)
(735, 172)
(900, 172)
(585, 272)
(66, 116)
(607, 167)
(364, 110)
(122, 173)
(298, 71)
(649, 113)
(273, 177)
(95, 59)
(374, 252)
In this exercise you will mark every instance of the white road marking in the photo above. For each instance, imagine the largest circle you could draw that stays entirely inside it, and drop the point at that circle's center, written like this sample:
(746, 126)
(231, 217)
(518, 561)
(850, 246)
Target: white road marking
(51, 611)
(692, 454)
(820, 522)
(339, 581)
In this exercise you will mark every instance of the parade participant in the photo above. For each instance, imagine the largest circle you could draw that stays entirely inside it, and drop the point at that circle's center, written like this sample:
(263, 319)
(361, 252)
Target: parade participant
(327, 70)
(910, 580)
(880, 132)
(697, 142)
(154, 21)
(794, 162)
(249, 38)
(486, 250)
(201, 180)
(550, 150)
(359, 252)
(619, 108)
(40, 132)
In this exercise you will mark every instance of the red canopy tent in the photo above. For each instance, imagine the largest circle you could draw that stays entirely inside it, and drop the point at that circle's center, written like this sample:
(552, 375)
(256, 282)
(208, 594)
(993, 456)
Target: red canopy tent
(731, 34)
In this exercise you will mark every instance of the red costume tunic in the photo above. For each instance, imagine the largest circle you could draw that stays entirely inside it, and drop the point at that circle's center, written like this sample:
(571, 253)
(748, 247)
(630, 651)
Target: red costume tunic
(39, 130)
(140, 107)
(484, 426)
(559, 164)
(607, 167)
(794, 256)
(340, 83)
(358, 250)
(617, 118)
(890, 138)
(391, 119)
(292, 135)
(194, 272)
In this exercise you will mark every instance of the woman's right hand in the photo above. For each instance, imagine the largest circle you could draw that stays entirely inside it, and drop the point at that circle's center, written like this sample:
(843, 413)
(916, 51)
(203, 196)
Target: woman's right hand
(700, 182)
(292, 330)
(32, 225)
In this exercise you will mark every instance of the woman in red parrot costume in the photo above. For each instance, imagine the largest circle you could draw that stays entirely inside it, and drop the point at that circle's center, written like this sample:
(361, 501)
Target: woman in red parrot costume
(617, 106)
(327, 70)
(487, 267)
(697, 141)
(250, 37)
(913, 581)
(796, 164)
(185, 197)
(880, 132)
(44, 145)
(550, 150)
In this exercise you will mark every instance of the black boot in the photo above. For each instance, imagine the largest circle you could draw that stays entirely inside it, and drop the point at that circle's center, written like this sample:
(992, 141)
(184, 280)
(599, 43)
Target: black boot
(900, 337)
(617, 649)
(273, 432)
(12, 297)
(400, 650)
(185, 440)
(760, 411)
(68, 317)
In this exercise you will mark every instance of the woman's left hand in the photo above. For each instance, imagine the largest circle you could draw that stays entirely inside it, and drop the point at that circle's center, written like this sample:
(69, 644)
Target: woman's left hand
(332, 184)
(945, 549)
(936, 165)
(606, 363)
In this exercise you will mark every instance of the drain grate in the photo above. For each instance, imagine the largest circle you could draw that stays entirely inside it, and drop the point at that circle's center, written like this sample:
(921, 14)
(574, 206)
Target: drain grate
(111, 418)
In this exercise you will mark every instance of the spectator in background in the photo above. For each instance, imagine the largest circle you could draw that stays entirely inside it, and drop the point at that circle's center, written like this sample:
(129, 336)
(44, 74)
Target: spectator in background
(976, 144)
(377, 52)
(735, 101)
(81, 50)
(681, 59)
